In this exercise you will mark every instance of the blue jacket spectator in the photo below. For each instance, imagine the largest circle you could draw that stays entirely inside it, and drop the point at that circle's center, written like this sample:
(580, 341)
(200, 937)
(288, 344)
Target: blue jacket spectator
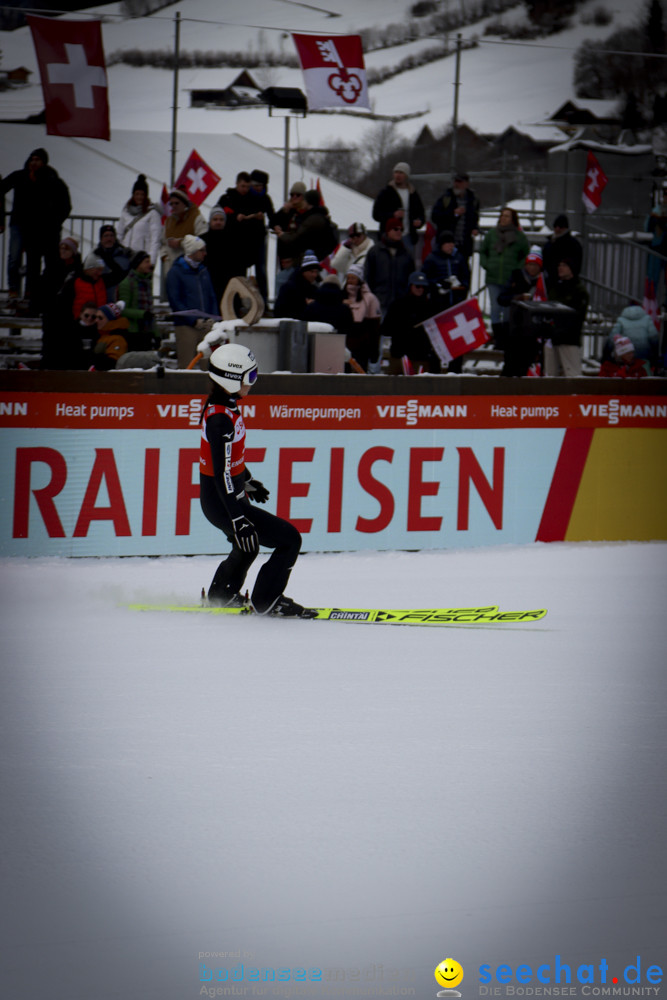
(190, 292)
(636, 324)
(447, 271)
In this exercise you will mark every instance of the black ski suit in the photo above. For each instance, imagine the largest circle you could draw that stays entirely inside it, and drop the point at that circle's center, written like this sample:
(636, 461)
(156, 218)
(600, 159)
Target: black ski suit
(223, 478)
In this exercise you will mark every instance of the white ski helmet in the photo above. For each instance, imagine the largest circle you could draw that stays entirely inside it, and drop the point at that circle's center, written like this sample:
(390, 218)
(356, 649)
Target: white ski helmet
(232, 366)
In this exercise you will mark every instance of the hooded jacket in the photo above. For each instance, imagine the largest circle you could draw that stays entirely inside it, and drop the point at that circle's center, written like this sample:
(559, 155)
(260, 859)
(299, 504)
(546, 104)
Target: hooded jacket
(636, 324)
(43, 202)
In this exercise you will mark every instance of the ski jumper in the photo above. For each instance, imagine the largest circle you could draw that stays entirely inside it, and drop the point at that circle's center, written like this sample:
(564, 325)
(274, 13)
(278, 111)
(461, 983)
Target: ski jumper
(222, 478)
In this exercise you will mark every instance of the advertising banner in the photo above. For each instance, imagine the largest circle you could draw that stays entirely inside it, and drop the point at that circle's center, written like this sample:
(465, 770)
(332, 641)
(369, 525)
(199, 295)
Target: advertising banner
(118, 474)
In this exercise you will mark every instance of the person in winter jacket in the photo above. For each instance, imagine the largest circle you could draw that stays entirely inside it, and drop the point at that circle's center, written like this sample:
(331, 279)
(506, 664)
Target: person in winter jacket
(329, 306)
(457, 210)
(311, 229)
(363, 340)
(300, 290)
(222, 262)
(184, 219)
(624, 363)
(89, 286)
(41, 205)
(245, 213)
(140, 222)
(637, 325)
(116, 259)
(388, 266)
(561, 245)
(562, 355)
(503, 250)
(447, 271)
(59, 350)
(259, 189)
(521, 349)
(400, 200)
(136, 291)
(190, 290)
(353, 250)
(411, 350)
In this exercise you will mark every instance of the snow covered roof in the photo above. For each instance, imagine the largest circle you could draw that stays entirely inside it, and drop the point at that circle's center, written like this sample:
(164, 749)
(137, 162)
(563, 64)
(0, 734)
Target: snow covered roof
(100, 174)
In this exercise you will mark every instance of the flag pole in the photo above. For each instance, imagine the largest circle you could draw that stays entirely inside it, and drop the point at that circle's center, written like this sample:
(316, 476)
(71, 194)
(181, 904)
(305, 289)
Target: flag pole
(174, 109)
(455, 117)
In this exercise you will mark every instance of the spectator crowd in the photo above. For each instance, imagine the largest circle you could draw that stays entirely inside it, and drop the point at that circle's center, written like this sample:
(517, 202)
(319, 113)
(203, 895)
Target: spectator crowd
(99, 306)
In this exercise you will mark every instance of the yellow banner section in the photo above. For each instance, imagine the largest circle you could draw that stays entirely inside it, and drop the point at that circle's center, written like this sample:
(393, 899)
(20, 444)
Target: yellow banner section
(623, 490)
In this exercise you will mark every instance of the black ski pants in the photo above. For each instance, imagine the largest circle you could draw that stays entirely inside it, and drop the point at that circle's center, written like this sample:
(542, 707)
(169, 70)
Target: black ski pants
(273, 533)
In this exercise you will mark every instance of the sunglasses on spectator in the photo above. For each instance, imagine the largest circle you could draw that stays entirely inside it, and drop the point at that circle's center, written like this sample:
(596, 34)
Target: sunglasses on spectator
(396, 229)
(89, 315)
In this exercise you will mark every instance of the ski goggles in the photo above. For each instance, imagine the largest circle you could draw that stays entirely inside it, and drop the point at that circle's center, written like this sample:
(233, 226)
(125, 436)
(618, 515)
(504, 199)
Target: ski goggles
(250, 377)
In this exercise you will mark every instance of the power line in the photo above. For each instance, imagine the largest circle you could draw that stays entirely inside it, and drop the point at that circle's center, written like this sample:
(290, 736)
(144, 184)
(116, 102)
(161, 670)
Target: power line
(573, 48)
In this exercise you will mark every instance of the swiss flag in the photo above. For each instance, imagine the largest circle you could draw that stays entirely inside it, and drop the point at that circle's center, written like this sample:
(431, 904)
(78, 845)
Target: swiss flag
(333, 71)
(197, 179)
(457, 330)
(594, 184)
(74, 77)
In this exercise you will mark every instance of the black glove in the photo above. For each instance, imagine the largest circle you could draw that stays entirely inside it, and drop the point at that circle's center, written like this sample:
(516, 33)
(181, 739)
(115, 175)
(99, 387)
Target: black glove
(245, 534)
(256, 491)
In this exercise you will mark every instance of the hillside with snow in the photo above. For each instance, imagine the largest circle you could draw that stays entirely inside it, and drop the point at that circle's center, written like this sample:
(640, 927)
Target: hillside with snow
(502, 84)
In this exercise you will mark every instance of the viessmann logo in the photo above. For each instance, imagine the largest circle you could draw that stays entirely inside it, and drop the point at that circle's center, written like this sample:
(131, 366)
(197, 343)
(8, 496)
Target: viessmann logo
(615, 410)
(414, 410)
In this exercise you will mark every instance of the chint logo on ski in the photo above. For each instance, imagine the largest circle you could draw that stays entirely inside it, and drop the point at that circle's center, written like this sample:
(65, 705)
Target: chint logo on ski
(357, 616)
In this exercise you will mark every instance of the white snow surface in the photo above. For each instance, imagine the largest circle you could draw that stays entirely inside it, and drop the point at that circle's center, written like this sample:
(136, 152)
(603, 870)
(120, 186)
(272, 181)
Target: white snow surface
(330, 795)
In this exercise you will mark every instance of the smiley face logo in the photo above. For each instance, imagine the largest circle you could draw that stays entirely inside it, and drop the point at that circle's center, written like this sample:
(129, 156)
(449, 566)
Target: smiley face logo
(448, 973)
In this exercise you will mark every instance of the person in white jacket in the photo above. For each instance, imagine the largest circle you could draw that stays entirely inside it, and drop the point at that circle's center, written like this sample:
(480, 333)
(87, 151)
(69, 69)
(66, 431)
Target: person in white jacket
(140, 223)
(353, 250)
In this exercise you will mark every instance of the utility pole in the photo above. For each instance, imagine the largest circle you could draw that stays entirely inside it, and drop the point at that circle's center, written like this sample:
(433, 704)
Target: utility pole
(174, 109)
(455, 117)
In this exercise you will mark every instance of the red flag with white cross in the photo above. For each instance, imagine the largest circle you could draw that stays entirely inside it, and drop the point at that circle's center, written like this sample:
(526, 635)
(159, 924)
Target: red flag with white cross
(457, 330)
(594, 183)
(197, 179)
(73, 74)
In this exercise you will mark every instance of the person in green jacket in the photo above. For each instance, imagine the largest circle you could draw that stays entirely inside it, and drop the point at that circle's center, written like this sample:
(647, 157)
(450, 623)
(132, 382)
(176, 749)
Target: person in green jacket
(504, 249)
(136, 291)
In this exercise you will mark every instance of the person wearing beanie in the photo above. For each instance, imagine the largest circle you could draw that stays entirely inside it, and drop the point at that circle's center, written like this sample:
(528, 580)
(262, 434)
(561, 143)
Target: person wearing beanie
(300, 290)
(116, 258)
(388, 265)
(363, 340)
(184, 219)
(140, 222)
(410, 348)
(41, 205)
(110, 344)
(352, 250)
(635, 324)
(624, 363)
(457, 210)
(447, 271)
(136, 291)
(400, 199)
(89, 285)
(221, 260)
(561, 245)
(526, 284)
(191, 297)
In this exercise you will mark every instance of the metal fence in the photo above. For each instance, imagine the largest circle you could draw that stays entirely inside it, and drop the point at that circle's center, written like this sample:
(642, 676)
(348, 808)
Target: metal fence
(615, 269)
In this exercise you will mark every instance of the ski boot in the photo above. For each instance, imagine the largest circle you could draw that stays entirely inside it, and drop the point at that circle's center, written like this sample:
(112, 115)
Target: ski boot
(224, 598)
(285, 607)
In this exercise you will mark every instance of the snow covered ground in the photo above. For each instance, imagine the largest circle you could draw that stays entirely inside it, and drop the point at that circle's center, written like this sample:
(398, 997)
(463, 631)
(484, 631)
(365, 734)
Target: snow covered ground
(331, 795)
